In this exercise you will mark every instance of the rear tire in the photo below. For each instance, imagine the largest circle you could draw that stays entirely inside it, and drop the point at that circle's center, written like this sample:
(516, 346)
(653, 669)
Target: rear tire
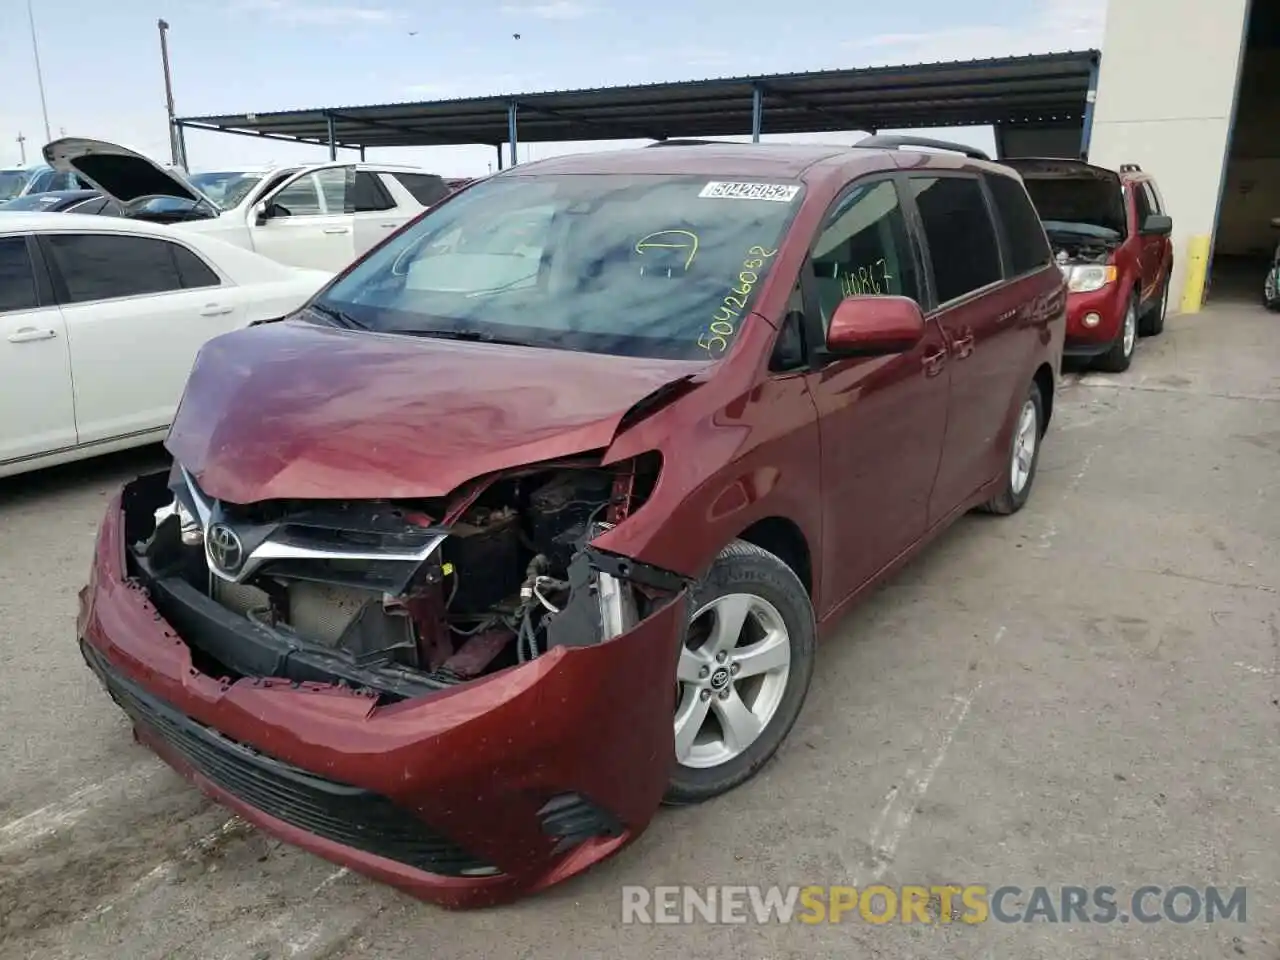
(1024, 456)
(1152, 325)
(744, 672)
(1271, 288)
(1120, 355)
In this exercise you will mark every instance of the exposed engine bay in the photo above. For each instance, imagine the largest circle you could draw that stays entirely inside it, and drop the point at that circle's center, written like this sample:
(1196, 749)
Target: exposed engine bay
(1088, 244)
(1080, 250)
(400, 598)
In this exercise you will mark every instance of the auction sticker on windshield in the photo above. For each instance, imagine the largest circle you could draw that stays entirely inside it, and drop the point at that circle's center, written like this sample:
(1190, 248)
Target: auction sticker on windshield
(778, 192)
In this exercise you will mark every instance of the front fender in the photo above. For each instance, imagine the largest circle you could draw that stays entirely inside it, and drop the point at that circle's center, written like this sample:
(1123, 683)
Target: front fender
(739, 459)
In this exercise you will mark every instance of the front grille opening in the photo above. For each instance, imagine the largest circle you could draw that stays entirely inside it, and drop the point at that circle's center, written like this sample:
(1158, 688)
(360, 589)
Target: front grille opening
(210, 666)
(571, 819)
(345, 814)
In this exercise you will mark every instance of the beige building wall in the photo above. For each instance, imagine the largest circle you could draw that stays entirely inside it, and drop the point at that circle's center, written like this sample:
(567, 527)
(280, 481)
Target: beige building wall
(1165, 95)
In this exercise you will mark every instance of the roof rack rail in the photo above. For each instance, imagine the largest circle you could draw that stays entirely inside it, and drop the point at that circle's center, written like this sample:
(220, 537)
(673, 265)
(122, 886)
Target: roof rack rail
(1130, 168)
(894, 142)
(682, 142)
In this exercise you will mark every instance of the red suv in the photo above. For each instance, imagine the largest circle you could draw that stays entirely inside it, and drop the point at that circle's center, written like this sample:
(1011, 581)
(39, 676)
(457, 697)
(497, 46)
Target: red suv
(1110, 235)
(531, 519)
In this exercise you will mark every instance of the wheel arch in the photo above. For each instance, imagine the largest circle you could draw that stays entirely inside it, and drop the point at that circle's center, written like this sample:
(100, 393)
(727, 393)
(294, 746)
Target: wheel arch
(783, 537)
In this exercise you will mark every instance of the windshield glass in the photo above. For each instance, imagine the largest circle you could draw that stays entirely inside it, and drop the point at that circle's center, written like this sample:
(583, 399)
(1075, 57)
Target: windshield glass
(646, 266)
(1079, 200)
(226, 188)
(12, 182)
(32, 201)
(166, 209)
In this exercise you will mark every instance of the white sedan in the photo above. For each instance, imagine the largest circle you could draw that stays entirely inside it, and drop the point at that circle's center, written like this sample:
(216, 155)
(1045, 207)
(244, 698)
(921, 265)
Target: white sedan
(100, 322)
(322, 216)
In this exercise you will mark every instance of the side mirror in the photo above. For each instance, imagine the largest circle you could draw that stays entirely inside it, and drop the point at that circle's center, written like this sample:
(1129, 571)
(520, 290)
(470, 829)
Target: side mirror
(869, 326)
(1157, 224)
(266, 210)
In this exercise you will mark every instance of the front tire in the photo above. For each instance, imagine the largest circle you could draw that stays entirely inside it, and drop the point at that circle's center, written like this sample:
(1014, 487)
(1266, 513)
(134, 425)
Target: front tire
(1118, 358)
(744, 672)
(1271, 289)
(1024, 456)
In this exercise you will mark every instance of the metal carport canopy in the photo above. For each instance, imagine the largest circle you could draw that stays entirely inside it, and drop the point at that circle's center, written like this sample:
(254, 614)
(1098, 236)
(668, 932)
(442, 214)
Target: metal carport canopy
(1044, 89)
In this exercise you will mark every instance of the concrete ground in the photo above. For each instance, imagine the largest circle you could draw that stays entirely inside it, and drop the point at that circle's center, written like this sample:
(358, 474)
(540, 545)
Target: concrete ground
(1087, 693)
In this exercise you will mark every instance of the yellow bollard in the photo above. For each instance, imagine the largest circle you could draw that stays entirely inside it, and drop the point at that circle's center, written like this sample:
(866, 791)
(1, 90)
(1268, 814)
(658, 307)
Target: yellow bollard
(1197, 265)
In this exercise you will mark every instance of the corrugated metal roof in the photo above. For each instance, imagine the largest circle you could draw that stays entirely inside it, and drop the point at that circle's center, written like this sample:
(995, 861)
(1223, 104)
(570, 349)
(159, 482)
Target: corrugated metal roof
(1045, 88)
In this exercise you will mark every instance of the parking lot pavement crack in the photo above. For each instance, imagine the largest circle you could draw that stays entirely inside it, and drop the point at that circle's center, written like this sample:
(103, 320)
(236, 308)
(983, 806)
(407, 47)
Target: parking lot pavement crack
(1208, 581)
(903, 800)
(1184, 391)
(1274, 629)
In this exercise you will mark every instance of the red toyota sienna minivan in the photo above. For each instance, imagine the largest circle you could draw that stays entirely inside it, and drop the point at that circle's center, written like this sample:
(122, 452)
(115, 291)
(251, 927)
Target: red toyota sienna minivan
(530, 520)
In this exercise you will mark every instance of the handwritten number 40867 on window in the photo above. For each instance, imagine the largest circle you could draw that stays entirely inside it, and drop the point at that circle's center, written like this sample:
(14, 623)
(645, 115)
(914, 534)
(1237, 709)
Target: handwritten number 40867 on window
(866, 281)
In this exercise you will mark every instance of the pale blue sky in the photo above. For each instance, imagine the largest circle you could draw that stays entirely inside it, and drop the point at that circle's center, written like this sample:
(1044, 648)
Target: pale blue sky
(103, 78)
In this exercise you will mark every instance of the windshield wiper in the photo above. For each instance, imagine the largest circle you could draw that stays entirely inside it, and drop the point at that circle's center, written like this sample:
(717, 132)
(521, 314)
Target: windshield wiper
(338, 317)
(471, 336)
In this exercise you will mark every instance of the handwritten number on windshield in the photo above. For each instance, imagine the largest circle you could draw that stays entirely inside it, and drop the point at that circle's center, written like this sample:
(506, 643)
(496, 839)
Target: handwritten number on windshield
(671, 240)
(715, 339)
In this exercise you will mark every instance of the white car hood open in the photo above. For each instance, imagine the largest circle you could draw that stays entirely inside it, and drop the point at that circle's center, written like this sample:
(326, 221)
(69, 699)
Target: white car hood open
(118, 171)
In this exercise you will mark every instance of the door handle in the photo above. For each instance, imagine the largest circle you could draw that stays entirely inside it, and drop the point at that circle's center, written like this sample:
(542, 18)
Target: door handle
(962, 346)
(30, 334)
(213, 310)
(337, 230)
(388, 226)
(934, 362)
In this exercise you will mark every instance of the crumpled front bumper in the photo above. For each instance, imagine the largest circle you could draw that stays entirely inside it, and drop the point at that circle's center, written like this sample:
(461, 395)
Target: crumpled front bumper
(466, 797)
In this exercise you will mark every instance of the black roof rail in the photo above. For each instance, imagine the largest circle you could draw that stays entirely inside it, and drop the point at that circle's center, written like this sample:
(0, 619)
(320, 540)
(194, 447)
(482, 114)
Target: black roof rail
(895, 142)
(682, 142)
(1130, 168)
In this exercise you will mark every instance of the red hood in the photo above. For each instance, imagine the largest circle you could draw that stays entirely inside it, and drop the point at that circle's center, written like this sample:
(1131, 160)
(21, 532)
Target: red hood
(297, 410)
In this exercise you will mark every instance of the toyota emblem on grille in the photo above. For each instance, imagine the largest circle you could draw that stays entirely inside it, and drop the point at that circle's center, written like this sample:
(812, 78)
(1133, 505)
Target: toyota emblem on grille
(225, 549)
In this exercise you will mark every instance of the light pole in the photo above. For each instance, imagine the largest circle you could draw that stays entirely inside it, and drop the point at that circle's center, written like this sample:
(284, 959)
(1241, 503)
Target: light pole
(175, 146)
(35, 49)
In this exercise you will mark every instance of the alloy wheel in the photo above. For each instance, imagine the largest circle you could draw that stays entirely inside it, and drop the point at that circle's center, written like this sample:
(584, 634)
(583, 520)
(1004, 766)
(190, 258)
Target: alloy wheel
(1130, 329)
(1024, 447)
(731, 678)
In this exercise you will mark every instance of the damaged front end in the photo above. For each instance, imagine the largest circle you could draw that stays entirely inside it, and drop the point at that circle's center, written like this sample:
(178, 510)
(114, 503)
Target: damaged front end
(401, 599)
(430, 693)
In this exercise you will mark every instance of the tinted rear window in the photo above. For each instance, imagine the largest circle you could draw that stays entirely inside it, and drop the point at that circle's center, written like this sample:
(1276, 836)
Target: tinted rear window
(17, 277)
(1028, 247)
(193, 271)
(426, 188)
(103, 266)
(960, 234)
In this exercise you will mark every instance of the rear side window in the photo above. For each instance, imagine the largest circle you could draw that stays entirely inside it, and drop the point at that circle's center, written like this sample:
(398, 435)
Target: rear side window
(426, 188)
(368, 194)
(1028, 246)
(1155, 193)
(960, 234)
(863, 249)
(1143, 201)
(102, 266)
(1153, 197)
(193, 271)
(17, 276)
